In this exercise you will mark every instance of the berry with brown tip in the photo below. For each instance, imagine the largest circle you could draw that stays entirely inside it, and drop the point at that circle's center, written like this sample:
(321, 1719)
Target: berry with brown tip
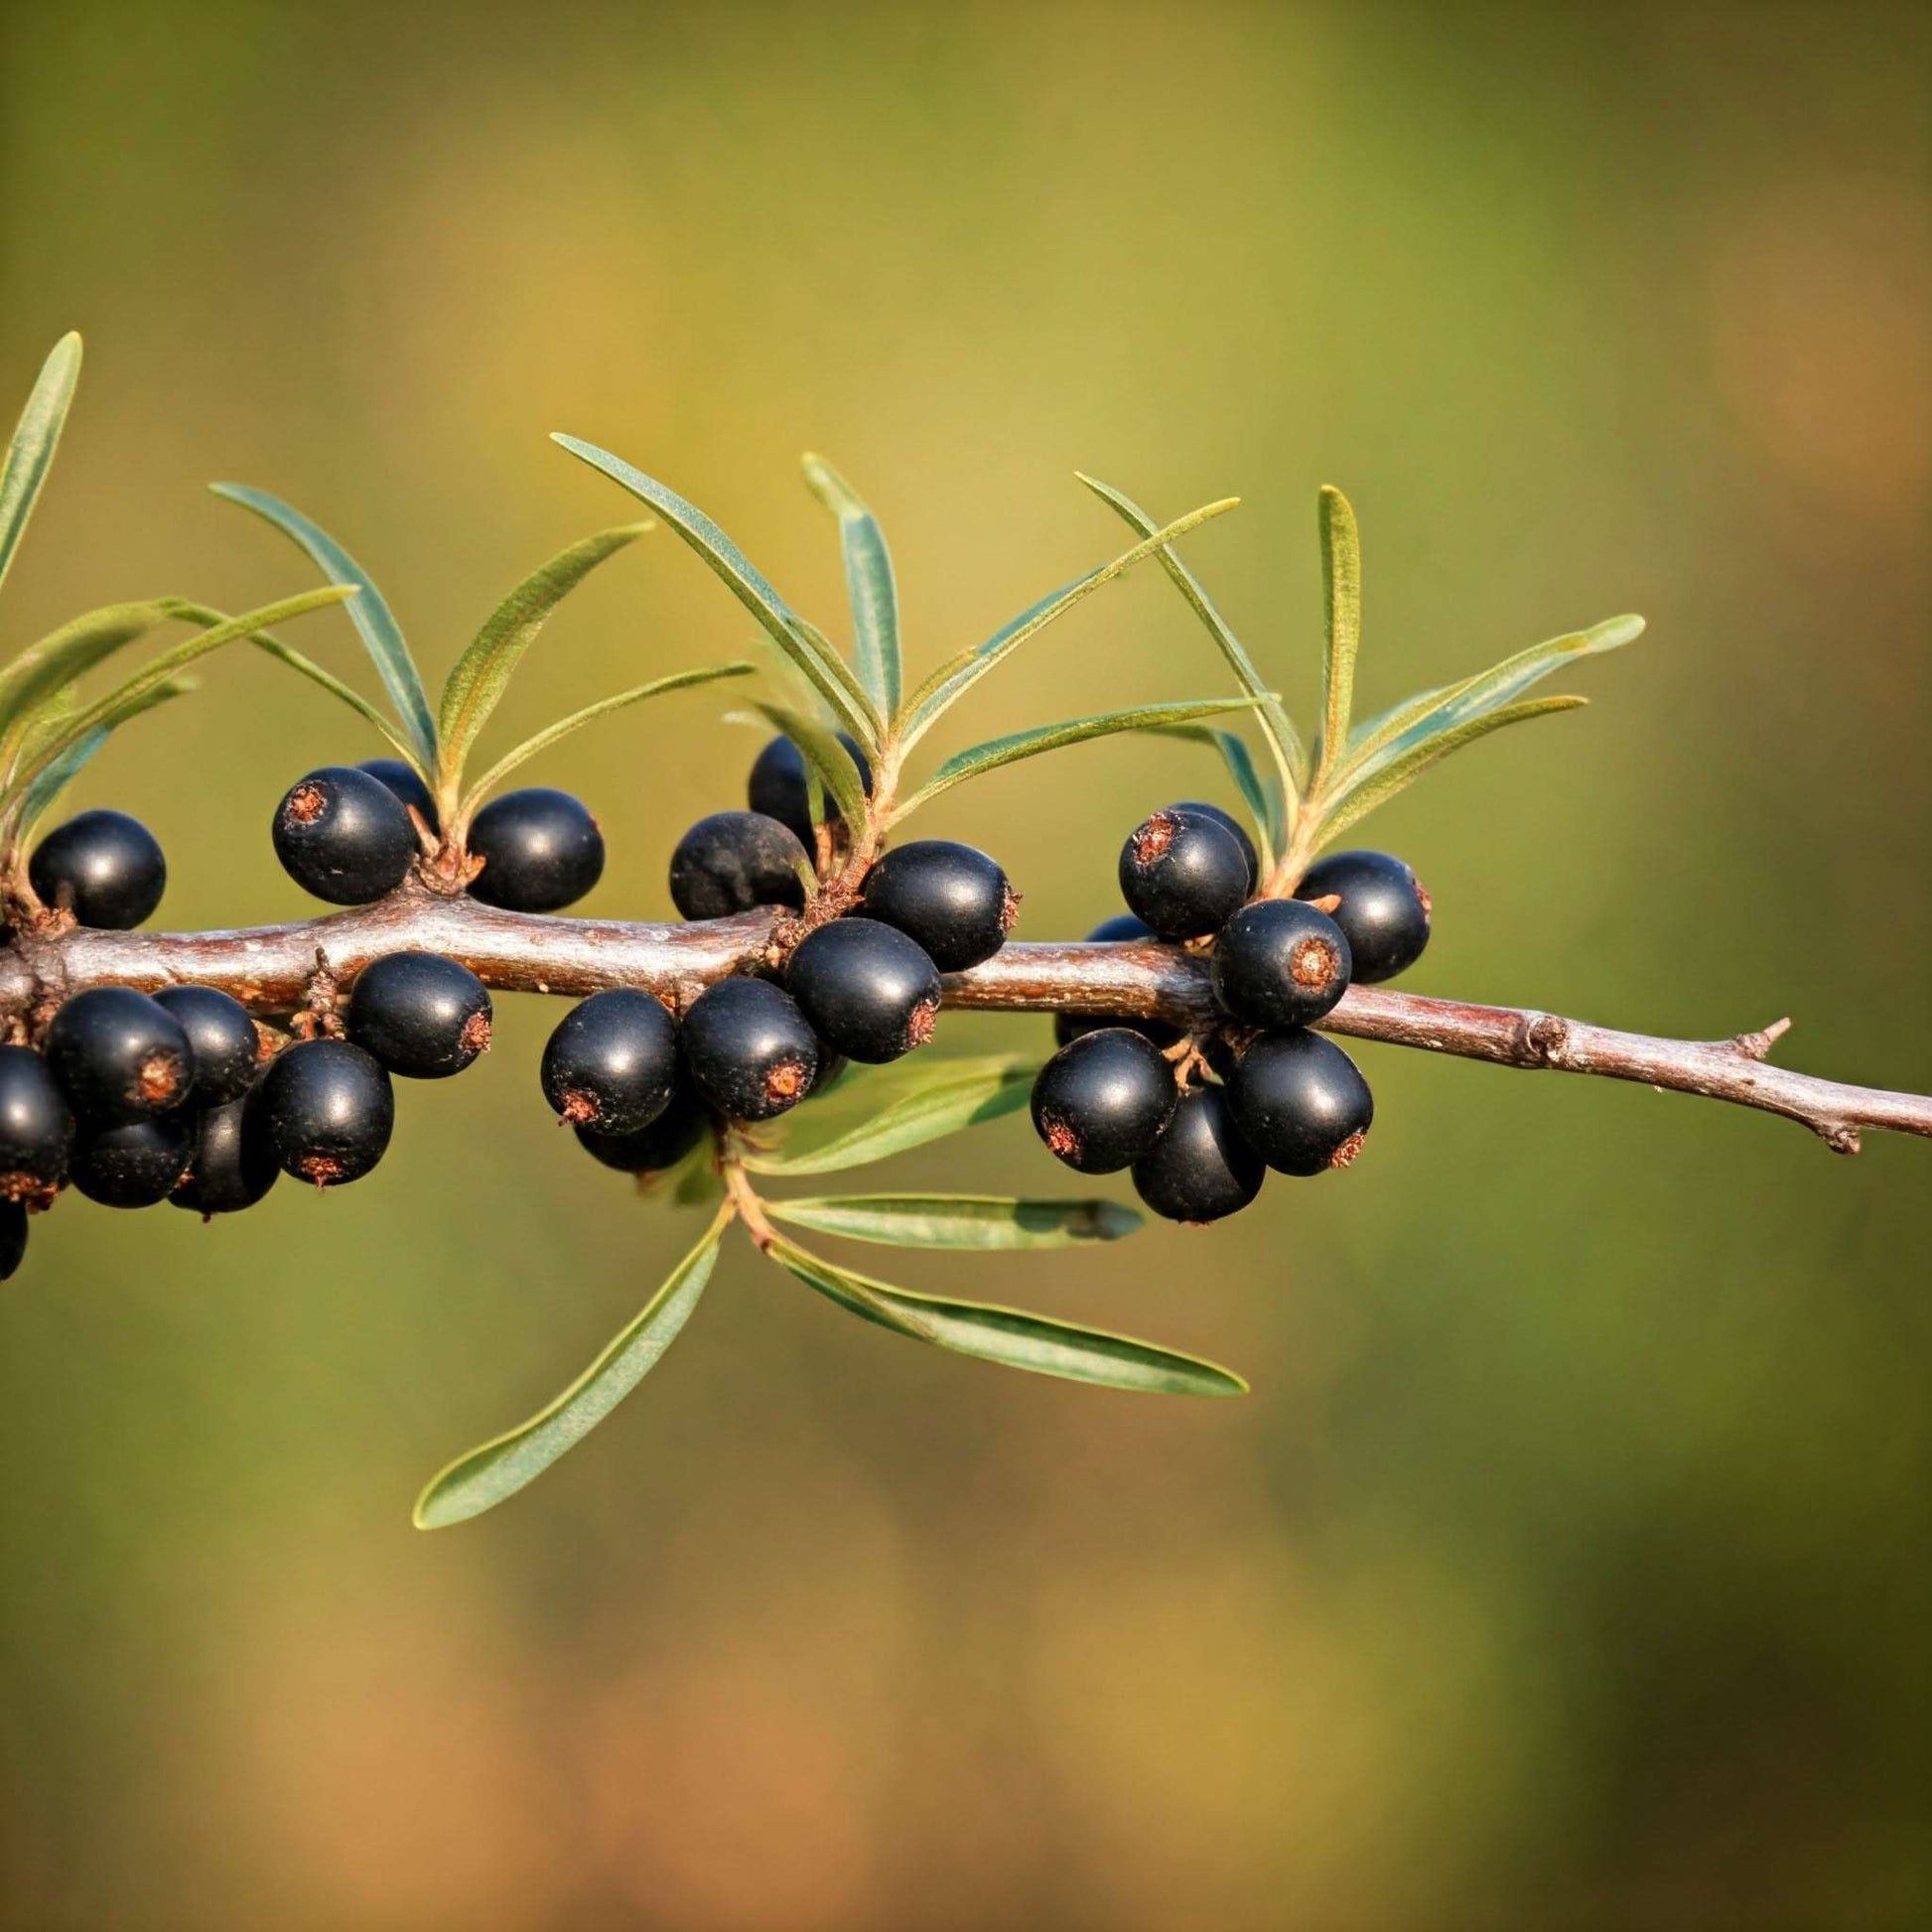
(119, 1056)
(421, 1014)
(542, 851)
(327, 1111)
(227, 1046)
(869, 992)
(750, 1050)
(1280, 963)
(610, 1065)
(1102, 1101)
(1384, 911)
(103, 867)
(952, 899)
(1301, 1102)
(1201, 1169)
(1182, 874)
(343, 836)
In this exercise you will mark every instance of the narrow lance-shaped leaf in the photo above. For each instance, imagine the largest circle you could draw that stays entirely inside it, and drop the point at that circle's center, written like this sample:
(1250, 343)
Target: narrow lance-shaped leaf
(488, 1474)
(478, 678)
(375, 623)
(1283, 741)
(1009, 749)
(29, 452)
(978, 1221)
(1011, 1336)
(888, 1111)
(824, 755)
(1264, 806)
(824, 670)
(38, 797)
(1342, 585)
(869, 585)
(73, 652)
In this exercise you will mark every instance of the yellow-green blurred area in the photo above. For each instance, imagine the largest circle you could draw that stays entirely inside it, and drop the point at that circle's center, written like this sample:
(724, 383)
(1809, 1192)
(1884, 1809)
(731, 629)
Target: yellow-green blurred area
(1568, 1565)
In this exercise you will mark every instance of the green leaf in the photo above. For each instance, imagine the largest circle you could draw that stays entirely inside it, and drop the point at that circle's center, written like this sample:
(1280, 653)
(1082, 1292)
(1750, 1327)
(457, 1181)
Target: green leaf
(952, 680)
(869, 585)
(1011, 1336)
(54, 779)
(1009, 749)
(824, 755)
(576, 720)
(1341, 584)
(371, 616)
(490, 1474)
(30, 454)
(1283, 741)
(1379, 787)
(1264, 806)
(827, 673)
(892, 1108)
(477, 678)
(71, 652)
(981, 1222)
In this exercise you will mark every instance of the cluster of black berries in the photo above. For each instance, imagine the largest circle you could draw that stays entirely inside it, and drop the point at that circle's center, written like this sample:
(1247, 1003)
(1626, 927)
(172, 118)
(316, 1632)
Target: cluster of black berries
(1140, 1096)
(641, 1087)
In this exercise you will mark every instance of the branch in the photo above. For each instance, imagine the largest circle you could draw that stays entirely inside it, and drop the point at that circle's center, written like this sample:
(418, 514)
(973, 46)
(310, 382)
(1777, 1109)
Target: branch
(270, 970)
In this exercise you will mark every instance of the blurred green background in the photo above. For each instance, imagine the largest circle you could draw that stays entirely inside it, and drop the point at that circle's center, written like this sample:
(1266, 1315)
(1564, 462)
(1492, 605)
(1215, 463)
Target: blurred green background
(1568, 1566)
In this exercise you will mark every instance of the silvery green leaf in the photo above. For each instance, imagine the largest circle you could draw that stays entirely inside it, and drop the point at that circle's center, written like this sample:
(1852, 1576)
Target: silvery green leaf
(825, 759)
(978, 1221)
(29, 452)
(869, 585)
(1341, 584)
(55, 778)
(46, 667)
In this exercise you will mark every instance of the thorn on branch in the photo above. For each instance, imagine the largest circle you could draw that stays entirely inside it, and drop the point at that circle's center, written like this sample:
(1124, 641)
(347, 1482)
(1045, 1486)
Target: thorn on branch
(1757, 1046)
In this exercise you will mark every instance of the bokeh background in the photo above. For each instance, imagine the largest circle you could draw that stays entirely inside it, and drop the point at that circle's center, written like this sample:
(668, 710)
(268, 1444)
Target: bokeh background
(1568, 1566)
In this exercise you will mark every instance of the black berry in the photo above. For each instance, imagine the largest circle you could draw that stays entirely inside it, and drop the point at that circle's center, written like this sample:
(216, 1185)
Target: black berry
(326, 1110)
(867, 991)
(1227, 821)
(104, 868)
(1279, 963)
(612, 1064)
(407, 783)
(1182, 874)
(222, 1037)
(734, 861)
(649, 1150)
(951, 898)
(36, 1127)
(1069, 1027)
(541, 850)
(421, 1014)
(343, 836)
(230, 1164)
(1301, 1102)
(1103, 1101)
(1201, 1169)
(137, 1164)
(119, 1055)
(776, 788)
(1384, 911)
(13, 1238)
(750, 1050)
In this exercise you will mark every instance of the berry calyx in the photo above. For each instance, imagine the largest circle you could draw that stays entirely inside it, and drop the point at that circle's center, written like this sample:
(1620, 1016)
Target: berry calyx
(343, 836)
(36, 1127)
(952, 899)
(1182, 874)
(776, 788)
(1201, 1169)
(733, 861)
(421, 1014)
(1280, 963)
(1069, 1027)
(651, 1150)
(326, 1111)
(750, 1050)
(542, 851)
(1384, 911)
(1101, 1102)
(103, 867)
(867, 990)
(136, 1164)
(610, 1065)
(119, 1055)
(1228, 823)
(230, 1164)
(223, 1039)
(407, 783)
(1301, 1102)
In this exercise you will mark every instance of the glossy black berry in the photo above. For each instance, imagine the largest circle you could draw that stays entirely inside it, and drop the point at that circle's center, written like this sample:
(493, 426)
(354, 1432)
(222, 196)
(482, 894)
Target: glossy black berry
(612, 1064)
(542, 851)
(104, 868)
(776, 786)
(13, 1238)
(951, 898)
(751, 1052)
(1279, 963)
(1384, 909)
(343, 836)
(326, 1110)
(1201, 1167)
(230, 1164)
(867, 990)
(1227, 821)
(223, 1038)
(36, 1126)
(1102, 1102)
(1070, 1026)
(407, 783)
(649, 1150)
(1301, 1102)
(137, 1164)
(421, 1014)
(734, 861)
(119, 1055)
(1182, 874)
